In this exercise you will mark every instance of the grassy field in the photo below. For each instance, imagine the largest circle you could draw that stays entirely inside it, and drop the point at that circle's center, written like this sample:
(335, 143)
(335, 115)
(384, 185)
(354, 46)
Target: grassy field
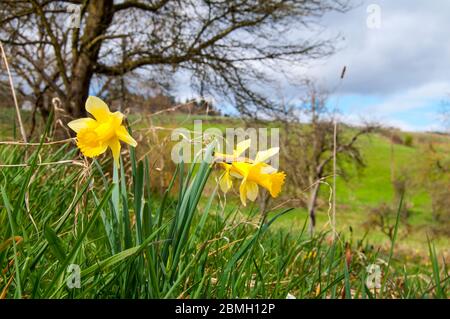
(356, 195)
(365, 189)
(372, 186)
(133, 239)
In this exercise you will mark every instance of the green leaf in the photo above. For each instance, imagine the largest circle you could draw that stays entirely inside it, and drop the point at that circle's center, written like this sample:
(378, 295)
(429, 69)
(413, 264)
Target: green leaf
(55, 243)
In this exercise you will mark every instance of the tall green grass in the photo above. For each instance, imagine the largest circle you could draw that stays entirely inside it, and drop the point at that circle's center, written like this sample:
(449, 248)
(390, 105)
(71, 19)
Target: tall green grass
(131, 243)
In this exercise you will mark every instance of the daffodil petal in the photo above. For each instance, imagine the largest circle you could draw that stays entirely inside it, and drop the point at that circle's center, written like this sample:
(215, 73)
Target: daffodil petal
(241, 147)
(116, 118)
(105, 131)
(93, 151)
(89, 143)
(79, 124)
(88, 148)
(277, 182)
(124, 136)
(261, 156)
(268, 169)
(272, 182)
(114, 145)
(97, 108)
(252, 190)
(243, 192)
(225, 182)
(241, 168)
(235, 174)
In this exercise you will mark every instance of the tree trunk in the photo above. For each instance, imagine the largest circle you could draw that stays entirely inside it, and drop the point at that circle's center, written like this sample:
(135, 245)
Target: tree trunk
(312, 201)
(100, 15)
(79, 87)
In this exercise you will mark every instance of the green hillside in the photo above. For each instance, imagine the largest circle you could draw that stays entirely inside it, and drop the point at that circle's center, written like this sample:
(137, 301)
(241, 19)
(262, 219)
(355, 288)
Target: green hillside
(362, 191)
(187, 228)
(367, 188)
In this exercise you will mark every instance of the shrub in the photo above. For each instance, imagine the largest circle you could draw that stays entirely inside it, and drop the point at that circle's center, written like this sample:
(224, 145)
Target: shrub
(409, 140)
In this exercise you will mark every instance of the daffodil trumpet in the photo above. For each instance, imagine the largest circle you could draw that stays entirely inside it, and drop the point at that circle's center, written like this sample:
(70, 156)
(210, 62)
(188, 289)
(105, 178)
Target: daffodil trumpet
(105, 130)
(253, 173)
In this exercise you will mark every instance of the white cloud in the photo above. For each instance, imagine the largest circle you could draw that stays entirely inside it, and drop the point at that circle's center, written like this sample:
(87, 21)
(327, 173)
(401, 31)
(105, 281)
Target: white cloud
(405, 64)
(415, 98)
(409, 50)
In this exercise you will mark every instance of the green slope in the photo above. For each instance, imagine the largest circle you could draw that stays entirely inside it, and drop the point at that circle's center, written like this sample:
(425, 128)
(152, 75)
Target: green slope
(356, 196)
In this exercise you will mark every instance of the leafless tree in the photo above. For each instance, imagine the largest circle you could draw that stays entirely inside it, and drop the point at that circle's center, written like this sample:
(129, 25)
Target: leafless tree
(308, 143)
(225, 46)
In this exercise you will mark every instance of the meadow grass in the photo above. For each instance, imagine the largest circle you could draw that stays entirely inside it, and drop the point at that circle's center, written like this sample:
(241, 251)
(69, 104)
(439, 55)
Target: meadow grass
(131, 243)
(363, 189)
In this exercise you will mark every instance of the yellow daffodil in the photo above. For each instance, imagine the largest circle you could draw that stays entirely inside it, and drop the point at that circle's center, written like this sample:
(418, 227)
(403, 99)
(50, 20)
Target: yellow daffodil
(226, 181)
(95, 135)
(241, 147)
(253, 173)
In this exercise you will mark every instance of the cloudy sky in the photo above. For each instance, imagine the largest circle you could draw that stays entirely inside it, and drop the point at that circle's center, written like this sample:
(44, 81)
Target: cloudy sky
(397, 55)
(398, 70)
